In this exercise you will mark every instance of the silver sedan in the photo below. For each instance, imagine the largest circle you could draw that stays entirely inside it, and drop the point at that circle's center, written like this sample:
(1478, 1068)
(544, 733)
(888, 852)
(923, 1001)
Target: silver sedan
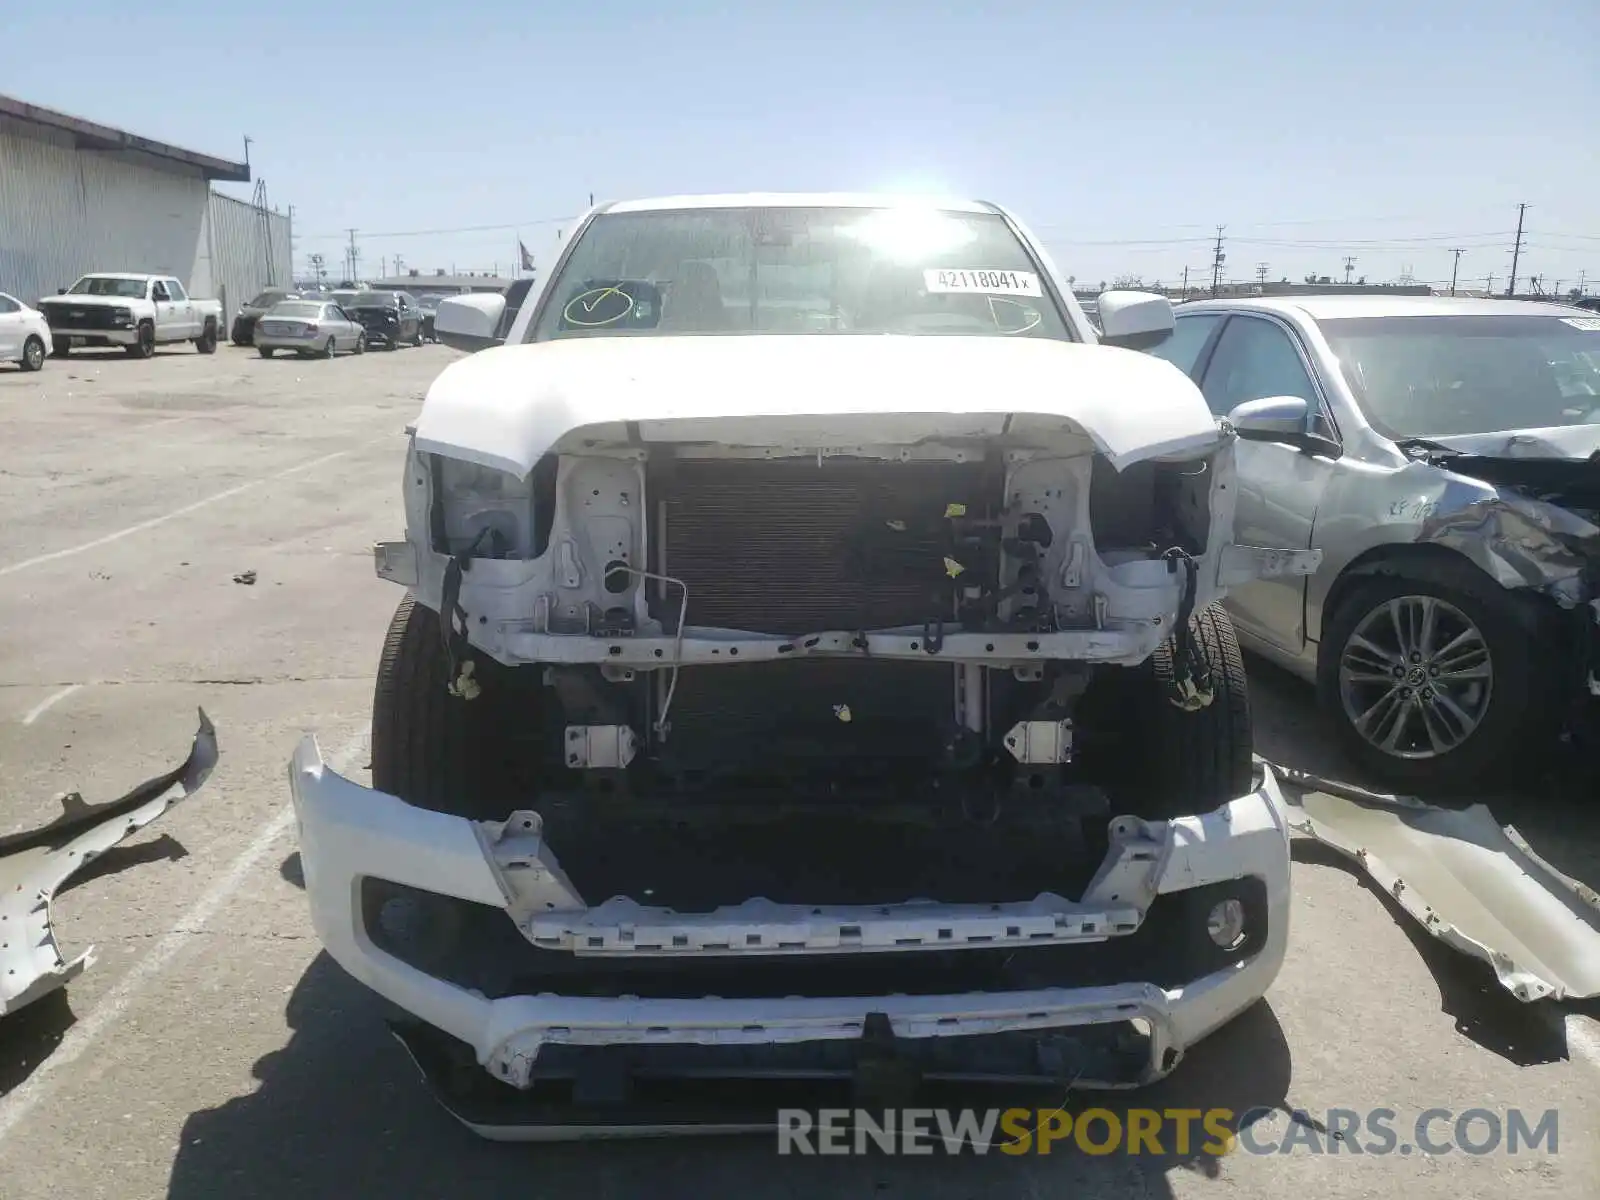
(310, 328)
(1444, 454)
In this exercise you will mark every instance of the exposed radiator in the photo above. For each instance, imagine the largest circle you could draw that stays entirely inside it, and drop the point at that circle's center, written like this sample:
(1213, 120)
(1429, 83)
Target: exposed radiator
(790, 547)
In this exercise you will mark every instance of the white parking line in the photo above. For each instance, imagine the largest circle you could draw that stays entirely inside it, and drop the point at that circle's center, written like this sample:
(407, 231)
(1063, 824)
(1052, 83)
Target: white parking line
(49, 702)
(173, 515)
(82, 1036)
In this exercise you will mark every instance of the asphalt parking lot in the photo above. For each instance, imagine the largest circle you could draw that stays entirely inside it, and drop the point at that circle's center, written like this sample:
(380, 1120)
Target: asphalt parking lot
(213, 1050)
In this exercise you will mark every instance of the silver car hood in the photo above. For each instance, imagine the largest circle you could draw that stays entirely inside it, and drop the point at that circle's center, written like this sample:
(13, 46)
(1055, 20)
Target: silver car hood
(1557, 441)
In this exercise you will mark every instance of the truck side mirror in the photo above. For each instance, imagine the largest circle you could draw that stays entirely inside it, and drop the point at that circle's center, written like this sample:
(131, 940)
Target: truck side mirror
(470, 322)
(1134, 320)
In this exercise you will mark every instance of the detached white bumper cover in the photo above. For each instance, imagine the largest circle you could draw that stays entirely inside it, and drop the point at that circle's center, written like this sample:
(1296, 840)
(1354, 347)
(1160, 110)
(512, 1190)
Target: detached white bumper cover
(348, 832)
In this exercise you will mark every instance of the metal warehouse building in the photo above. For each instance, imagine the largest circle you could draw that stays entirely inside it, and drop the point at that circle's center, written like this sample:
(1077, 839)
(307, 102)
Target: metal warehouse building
(77, 197)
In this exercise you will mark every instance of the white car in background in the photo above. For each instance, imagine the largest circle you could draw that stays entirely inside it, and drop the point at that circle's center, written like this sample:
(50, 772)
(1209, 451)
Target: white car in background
(24, 334)
(134, 311)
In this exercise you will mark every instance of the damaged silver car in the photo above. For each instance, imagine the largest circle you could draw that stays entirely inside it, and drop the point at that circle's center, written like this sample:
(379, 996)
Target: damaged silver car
(810, 668)
(1444, 454)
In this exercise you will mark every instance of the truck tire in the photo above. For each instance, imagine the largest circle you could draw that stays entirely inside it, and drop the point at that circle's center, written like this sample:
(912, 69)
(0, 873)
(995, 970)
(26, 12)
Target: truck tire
(240, 336)
(1159, 761)
(431, 748)
(32, 354)
(1510, 706)
(265, 351)
(206, 343)
(145, 347)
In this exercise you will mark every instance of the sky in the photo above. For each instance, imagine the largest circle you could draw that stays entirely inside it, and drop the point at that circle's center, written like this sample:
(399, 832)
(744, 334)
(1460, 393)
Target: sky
(1123, 132)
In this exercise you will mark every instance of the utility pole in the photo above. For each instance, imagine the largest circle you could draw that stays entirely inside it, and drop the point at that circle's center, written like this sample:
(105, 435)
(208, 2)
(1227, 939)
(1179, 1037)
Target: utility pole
(1261, 273)
(1488, 284)
(1516, 251)
(1186, 283)
(1454, 267)
(1218, 258)
(1349, 266)
(355, 257)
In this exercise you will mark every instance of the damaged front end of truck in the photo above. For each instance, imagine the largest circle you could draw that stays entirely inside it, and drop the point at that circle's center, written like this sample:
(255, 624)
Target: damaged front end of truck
(777, 745)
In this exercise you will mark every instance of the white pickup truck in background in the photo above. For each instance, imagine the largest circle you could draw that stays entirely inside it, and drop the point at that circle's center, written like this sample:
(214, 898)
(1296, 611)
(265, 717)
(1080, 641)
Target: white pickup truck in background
(136, 312)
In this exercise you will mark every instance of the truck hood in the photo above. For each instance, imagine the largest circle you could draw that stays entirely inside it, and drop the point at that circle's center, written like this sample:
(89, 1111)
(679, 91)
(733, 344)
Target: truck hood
(93, 301)
(506, 407)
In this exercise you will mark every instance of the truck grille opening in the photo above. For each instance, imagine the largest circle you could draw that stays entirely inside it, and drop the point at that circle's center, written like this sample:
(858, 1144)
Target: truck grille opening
(792, 547)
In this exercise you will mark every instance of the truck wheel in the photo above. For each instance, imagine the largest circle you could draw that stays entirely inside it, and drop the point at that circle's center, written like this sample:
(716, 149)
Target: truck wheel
(32, 354)
(240, 337)
(1160, 760)
(206, 343)
(1430, 677)
(265, 351)
(417, 341)
(430, 748)
(145, 347)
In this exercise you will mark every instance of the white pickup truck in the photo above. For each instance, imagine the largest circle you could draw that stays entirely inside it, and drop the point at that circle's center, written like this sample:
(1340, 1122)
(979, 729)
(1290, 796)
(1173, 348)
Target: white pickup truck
(136, 312)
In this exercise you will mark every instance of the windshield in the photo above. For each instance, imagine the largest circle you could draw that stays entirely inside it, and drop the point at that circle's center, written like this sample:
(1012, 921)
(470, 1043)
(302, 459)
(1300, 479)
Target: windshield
(372, 300)
(99, 285)
(267, 299)
(799, 270)
(296, 308)
(1437, 376)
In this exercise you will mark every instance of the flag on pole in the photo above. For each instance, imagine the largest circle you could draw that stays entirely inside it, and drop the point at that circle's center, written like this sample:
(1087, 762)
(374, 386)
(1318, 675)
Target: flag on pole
(525, 259)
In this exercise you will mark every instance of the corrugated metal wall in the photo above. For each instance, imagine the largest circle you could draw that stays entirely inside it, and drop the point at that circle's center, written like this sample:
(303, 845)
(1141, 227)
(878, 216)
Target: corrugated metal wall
(64, 212)
(233, 264)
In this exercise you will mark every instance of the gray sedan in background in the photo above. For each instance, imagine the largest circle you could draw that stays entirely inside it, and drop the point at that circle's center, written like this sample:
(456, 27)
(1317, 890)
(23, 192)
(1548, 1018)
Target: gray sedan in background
(1444, 454)
(310, 328)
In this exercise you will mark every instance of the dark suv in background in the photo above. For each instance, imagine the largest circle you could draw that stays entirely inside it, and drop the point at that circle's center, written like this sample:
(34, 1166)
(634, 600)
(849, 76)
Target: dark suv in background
(389, 318)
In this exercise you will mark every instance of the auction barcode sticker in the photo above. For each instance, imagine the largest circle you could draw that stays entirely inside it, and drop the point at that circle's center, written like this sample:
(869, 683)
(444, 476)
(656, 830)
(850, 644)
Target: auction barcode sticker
(992, 283)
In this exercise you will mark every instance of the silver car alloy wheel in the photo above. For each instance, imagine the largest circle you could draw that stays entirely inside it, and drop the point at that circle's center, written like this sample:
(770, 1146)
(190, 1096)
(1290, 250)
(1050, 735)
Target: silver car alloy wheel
(33, 354)
(1416, 677)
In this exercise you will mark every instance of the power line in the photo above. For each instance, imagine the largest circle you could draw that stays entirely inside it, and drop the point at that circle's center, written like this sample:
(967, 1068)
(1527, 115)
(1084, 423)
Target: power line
(314, 237)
